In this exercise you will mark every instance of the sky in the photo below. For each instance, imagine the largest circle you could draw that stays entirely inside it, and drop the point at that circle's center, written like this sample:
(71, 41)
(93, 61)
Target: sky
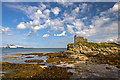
(54, 24)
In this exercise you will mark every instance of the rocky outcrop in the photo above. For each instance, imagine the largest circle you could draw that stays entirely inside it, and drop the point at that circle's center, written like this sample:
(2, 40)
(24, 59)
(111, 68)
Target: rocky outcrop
(93, 48)
(94, 51)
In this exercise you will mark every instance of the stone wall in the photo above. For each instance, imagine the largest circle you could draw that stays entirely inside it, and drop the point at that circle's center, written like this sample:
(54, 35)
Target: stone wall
(79, 39)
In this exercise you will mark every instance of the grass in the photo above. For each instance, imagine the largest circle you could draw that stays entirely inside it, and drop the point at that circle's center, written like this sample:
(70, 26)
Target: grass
(96, 45)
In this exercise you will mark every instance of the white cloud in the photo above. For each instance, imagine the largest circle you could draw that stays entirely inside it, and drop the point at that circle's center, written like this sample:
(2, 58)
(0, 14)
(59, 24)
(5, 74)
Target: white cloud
(66, 4)
(48, 21)
(42, 6)
(46, 35)
(114, 8)
(68, 19)
(35, 29)
(113, 27)
(35, 23)
(78, 24)
(4, 29)
(39, 12)
(91, 26)
(21, 26)
(77, 9)
(55, 28)
(99, 21)
(70, 29)
(70, 22)
(56, 24)
(56, 10)
(62, 34)
(83, 7)
(111, 10)
(84, 18)
(47, 12)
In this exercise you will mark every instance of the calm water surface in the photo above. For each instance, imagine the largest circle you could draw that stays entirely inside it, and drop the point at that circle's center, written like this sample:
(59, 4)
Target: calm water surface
(6, 52)
(30, 50)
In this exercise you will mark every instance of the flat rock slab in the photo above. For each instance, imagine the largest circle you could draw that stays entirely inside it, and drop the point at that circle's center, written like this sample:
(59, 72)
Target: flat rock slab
(95, 71)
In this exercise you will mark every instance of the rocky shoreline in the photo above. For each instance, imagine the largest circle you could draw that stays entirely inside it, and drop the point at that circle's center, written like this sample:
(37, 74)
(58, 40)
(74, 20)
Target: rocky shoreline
(67, 62)
(79, 61)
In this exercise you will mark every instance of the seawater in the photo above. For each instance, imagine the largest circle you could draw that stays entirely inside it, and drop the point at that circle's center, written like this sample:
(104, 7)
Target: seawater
(6, 52)
(30, 50)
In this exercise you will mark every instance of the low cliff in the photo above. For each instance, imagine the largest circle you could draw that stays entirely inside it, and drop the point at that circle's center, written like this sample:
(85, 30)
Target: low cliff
(94, 48)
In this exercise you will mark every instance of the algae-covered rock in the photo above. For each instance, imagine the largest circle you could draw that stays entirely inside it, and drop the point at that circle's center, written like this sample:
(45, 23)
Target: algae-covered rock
(52, 55)
(34, 60)
(53, 72)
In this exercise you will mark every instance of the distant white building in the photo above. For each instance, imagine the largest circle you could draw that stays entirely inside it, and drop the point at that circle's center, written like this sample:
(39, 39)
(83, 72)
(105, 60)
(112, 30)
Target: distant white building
(12, 46)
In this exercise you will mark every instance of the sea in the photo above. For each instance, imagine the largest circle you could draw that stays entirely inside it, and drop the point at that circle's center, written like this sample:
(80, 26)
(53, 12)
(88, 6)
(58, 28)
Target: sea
(7, 57)
(30, 50)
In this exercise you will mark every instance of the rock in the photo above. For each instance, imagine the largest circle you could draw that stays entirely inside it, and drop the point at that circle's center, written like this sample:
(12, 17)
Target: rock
(80, 57)
(66, 65)
(76, 62)
(105, 53)
(76, 51)
(68, 52)
(109, 68)
(43, 66)
(115, 48)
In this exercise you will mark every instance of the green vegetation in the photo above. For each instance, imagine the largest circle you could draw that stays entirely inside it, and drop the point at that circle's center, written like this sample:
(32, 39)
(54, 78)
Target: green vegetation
(96, 45)
(99, 45)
